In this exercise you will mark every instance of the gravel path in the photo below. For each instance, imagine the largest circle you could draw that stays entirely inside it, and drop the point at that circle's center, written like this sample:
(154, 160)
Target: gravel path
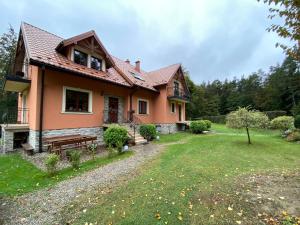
(43, 207)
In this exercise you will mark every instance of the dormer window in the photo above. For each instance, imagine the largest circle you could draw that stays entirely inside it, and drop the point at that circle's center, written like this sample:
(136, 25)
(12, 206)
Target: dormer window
(80, 58)
(96, 63)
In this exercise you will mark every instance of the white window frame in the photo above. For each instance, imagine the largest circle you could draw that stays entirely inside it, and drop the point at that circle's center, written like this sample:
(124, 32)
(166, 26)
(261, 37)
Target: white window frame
(138, 103)
(174, 107)
(89, 57)
(90, 109)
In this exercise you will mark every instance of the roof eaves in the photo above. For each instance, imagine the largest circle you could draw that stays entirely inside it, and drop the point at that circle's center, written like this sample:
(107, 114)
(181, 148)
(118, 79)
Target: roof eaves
(27, 50)
(40, 63)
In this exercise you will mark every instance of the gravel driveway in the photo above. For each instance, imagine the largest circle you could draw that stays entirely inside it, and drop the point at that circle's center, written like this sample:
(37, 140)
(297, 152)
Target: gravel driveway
(44, 206)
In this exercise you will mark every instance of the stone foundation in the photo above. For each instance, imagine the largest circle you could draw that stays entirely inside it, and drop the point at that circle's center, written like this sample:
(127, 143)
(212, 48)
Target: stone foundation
(92, 131)
(167, 128)
(7, 139)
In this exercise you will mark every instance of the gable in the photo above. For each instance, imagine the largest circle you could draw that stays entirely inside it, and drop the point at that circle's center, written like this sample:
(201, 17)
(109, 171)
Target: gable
(179, 78)
(89, 42)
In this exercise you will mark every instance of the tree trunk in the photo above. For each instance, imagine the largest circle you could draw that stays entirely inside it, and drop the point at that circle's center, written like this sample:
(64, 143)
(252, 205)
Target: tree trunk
(249, 141)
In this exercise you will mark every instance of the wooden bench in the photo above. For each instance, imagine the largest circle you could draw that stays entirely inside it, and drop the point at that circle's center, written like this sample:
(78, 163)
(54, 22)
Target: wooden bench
(28, 149)
(59, 144)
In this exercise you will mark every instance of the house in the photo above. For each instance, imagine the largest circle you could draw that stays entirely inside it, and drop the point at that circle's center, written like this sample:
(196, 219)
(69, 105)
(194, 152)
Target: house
(75, 85)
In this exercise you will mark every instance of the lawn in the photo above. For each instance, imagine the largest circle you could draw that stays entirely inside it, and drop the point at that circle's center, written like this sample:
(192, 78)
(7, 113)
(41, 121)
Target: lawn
(195, 181)
(18, 176)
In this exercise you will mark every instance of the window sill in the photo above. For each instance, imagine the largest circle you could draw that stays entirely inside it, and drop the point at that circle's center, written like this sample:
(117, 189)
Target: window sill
(143, 114)
(78, 113)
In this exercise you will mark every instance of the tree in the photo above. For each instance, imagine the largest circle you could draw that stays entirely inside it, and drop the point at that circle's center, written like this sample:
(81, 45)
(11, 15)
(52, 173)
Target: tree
(8, 43)
(245, 118)
(289, 11)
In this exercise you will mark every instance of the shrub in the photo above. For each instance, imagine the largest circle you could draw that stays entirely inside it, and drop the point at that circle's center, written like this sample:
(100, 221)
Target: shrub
(198, 126)
(208, 124)
(293, 136)
(51, 163)
(297, 121)
(115, 136)
(274, 114)
(148, 131)
(93, 149)
(283, 123)
(215, 119)
(75, 158)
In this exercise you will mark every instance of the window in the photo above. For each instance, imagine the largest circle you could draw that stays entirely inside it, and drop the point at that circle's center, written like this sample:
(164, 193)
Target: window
(176, 88)
(143, 107)
(77, 100)
(137, 76)
(96, 63)
(173, 107)
(80, 58)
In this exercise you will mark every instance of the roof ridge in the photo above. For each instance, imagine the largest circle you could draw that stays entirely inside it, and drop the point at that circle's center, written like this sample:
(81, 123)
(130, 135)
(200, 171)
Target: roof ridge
(152, 71)
(42, 29)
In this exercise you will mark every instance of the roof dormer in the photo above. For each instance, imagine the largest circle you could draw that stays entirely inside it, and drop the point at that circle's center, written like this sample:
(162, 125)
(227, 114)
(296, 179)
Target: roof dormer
(86, 49)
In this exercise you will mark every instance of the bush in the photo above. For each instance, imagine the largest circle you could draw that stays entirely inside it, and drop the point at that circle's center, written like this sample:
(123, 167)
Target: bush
(283, 123)
(148, 131)
(75, 158)
(93, 149)
(115, 136)
(274, 114)
(215, 119)
(293, 136)
(51, 163)
(297, 121)
(198, 126)
(208, 124)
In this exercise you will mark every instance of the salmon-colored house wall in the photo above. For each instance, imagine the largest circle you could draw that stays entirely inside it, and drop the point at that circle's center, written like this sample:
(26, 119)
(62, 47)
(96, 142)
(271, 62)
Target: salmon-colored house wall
(54, 118)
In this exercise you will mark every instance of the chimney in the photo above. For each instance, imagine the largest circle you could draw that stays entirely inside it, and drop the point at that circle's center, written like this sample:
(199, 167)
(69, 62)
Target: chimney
(138, 66)
(127, 61)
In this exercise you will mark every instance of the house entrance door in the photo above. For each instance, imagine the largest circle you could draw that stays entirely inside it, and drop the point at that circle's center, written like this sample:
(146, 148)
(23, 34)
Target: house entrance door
(113, 108)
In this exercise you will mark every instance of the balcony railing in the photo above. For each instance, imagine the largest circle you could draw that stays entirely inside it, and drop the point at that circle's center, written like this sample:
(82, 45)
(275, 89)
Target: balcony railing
(14, 116)
(177, 93)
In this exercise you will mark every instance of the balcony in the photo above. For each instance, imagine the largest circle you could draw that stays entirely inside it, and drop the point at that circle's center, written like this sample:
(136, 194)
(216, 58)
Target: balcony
(178, 94)
(14, 116)
(16, 83)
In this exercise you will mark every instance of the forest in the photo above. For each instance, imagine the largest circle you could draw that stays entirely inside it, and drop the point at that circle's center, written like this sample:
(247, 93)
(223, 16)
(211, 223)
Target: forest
(275, 90)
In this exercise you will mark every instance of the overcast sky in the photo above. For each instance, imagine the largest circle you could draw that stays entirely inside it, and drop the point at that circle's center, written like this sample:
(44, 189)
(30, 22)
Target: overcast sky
(212, 39)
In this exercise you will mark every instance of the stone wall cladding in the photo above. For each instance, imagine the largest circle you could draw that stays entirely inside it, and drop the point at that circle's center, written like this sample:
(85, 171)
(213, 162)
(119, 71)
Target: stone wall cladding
(7, 141)
(33, 139)
(92, 131)
(168, 128)
(120, 107)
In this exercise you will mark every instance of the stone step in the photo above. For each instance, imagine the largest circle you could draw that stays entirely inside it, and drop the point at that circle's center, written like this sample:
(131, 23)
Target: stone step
(140, 142)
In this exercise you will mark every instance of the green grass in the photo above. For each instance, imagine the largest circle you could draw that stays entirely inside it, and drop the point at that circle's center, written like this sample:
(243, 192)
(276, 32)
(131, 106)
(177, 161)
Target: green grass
(193, 180)
(18, 176)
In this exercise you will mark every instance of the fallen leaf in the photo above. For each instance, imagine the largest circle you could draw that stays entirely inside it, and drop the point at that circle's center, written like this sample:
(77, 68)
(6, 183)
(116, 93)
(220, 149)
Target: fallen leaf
(238, 222)
(229, 208)
(157, 216)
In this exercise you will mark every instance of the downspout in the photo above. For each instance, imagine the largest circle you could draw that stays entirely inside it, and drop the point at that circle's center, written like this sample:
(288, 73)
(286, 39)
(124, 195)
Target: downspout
(130, 107)
(41, 110)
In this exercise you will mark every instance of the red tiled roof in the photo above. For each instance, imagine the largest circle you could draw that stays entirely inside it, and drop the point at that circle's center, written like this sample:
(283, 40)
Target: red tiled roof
(163, 75)
(41, 47)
